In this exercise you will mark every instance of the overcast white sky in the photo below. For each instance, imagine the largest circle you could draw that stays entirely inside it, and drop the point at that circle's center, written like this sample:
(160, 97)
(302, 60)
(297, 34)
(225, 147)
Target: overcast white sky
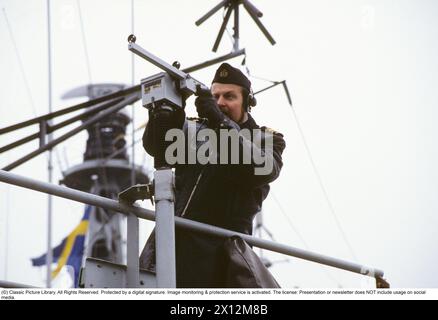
(364, 79)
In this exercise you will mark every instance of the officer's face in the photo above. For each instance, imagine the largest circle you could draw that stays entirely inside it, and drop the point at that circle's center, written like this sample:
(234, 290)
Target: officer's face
(229, 99)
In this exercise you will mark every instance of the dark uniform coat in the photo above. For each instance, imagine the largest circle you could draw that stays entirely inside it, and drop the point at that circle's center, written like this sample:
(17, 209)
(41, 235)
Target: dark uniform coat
(227, 196)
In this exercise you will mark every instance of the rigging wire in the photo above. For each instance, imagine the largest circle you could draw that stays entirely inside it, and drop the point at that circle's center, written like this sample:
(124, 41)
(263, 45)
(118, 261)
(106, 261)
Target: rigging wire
(289, 221)
(20, 63)
(253, 76)
(84, 41)
(88, 65)
(321, 184)
(317, 174)
(25, 79)
(259, 78)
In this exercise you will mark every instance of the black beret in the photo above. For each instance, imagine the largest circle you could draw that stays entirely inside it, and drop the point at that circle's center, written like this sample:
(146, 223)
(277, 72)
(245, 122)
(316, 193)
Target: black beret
(230, 75)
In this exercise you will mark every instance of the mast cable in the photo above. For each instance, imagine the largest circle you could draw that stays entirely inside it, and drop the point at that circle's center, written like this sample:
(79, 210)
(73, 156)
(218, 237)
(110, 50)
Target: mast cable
(84, 41)
(20, 63)
(318, 176)
(321, 184)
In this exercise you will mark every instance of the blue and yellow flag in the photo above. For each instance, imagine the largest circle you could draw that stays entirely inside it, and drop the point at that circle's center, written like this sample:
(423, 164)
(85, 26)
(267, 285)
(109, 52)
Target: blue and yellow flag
(71, 250)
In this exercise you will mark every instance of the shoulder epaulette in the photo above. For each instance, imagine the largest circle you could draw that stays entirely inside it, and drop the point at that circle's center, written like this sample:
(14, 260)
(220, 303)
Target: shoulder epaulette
(272, 131)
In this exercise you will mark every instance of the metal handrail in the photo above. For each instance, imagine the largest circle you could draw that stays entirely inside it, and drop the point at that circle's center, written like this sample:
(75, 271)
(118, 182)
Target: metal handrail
(195, 226)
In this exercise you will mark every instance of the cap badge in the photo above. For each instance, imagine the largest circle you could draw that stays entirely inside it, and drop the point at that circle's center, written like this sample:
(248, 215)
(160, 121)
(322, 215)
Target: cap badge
(223, 73)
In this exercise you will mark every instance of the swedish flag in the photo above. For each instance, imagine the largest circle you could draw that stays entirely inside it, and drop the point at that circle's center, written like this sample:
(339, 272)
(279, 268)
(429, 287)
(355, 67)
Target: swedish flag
(71, 249)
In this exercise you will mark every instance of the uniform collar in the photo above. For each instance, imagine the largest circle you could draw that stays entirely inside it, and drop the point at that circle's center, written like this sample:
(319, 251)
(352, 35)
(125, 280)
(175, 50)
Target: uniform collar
(249, 123)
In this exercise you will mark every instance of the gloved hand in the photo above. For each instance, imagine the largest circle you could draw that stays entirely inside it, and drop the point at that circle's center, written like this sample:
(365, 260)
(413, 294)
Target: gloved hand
(207, 107)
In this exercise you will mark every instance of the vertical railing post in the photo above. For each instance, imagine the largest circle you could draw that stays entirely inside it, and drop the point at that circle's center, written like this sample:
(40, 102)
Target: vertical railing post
(165, 229)
(133, 276)
(43, 133)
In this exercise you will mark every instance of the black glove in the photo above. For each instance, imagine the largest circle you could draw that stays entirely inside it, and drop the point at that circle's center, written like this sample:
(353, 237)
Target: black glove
(207, 107)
